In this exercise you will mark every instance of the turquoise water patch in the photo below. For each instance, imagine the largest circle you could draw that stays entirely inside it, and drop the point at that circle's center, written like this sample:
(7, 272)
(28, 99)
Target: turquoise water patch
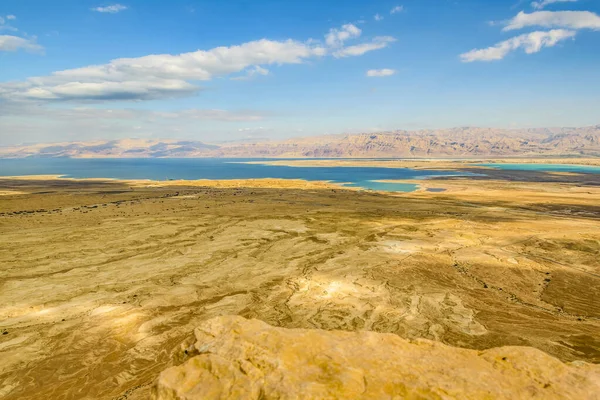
(588, 169)
(164, 169)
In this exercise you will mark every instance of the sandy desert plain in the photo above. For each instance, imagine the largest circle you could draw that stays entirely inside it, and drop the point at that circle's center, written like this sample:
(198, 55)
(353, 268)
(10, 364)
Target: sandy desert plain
(103, 281)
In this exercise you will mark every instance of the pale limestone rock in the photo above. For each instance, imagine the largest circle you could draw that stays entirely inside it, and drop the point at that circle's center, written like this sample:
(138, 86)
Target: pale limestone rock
(248, 359)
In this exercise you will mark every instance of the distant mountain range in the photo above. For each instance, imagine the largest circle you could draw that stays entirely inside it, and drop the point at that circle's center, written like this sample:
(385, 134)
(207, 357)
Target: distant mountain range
(455, 142)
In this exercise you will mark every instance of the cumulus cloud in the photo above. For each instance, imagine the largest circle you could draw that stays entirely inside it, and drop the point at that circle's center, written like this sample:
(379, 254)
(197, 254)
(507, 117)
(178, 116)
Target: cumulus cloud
(555, 19)
(164, 75)
(10, 17)
(380, 72)
(538, 5)
(337, 37)
(378, 17)
(377, 43)
(397, 9)
(14, 43)
(112, 9)
(530, 42)
(157, 76)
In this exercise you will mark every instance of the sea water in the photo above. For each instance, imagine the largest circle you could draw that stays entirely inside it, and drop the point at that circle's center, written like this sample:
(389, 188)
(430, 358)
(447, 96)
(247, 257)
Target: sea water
(215, 168)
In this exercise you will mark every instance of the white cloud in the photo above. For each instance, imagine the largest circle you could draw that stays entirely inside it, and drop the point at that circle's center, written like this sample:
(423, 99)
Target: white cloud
(10, 17)
(538, 5)
(165, 75)
(378, 17)
(555, 19)
(112, 9)
(397, 9)
(336, 37)
(380, 72)
(157, 76)
(14, 43)
(530, 42)
(377, 43)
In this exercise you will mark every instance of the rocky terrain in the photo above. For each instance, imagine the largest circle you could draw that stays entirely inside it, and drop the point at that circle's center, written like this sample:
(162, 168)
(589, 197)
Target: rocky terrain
(457, 142)
(235, 358)
(102, 281)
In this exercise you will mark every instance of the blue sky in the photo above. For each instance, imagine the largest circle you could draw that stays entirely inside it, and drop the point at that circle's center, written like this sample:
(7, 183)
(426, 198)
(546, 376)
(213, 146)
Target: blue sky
(228, 70)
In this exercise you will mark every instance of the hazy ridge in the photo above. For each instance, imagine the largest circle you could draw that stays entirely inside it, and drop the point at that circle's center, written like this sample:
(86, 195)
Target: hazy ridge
(455, 142)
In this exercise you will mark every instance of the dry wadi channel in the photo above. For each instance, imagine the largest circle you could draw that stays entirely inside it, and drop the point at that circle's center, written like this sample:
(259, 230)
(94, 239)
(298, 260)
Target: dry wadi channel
(102, 282)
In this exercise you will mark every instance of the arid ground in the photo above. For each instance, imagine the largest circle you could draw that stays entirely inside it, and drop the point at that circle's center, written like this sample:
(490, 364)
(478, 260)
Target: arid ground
(102, 281)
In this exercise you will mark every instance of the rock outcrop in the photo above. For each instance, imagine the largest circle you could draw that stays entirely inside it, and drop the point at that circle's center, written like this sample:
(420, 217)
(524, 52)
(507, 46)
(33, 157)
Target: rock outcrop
(235, 358)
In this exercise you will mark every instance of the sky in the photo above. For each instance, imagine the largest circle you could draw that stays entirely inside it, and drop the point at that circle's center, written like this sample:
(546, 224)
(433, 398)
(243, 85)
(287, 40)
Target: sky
(228, 70)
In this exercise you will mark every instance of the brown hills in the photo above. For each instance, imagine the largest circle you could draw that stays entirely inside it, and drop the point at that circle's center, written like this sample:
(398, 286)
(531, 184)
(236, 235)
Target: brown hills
(455, 142)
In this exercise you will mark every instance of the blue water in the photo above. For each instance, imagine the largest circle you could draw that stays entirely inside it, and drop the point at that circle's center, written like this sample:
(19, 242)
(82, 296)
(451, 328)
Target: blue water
(589, 169)
(165, 169)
